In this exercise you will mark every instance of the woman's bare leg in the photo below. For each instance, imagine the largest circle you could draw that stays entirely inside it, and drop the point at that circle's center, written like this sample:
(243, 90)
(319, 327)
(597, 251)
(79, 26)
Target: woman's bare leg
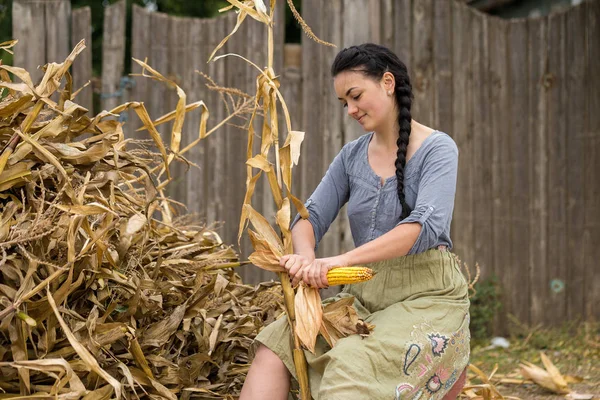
(268, 377)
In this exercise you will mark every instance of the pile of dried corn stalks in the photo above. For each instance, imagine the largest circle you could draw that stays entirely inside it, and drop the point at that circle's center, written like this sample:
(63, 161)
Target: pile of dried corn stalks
(104, 293)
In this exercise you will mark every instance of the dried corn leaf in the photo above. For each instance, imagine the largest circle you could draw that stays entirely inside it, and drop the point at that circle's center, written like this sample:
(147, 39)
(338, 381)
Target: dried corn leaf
(6, 45)
(558, 379)
(309, 315)
(89, 360)
(341, 320)
(543, 378)
(240, 18)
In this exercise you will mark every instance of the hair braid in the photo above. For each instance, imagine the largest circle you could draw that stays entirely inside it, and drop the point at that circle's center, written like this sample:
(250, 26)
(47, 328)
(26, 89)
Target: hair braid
(404, 101)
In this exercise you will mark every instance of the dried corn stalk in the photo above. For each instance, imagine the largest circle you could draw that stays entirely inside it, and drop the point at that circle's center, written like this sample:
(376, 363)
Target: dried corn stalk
(104, 291)
(305, 316)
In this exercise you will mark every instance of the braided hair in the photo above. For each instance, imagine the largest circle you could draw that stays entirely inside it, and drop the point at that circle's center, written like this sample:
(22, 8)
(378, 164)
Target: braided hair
(373, 61)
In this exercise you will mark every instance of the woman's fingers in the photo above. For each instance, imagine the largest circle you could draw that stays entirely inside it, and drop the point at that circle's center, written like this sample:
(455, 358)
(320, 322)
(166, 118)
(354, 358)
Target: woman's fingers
(297, 276)
(306, 275)
(283, 260)
(316, 277)
(290, 263)
(324, 282)
(295, 270)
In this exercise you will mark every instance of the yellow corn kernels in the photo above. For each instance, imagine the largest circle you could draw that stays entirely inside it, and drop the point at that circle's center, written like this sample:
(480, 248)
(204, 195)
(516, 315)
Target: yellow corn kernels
(348, 275)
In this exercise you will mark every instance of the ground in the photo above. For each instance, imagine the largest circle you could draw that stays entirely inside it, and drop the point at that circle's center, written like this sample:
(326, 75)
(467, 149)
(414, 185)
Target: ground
(574, 349)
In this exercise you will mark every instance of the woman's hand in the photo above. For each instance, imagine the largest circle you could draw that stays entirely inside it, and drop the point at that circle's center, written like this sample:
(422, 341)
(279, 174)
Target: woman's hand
(295, 263)
(315, 274)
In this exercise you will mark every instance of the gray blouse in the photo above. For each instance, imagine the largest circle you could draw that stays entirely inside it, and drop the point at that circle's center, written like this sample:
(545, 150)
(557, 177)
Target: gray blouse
(373, 208)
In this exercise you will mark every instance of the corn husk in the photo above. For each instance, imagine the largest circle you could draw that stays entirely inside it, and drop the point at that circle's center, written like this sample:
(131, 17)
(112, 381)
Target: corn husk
(549, 378)
(309, 315)
(341, 320)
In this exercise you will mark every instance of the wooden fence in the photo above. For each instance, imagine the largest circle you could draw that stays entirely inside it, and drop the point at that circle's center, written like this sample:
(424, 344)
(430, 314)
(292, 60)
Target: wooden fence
(520, 97)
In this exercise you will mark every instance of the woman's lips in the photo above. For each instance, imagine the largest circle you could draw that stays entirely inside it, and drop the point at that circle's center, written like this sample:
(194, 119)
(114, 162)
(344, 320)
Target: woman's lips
(360, 120)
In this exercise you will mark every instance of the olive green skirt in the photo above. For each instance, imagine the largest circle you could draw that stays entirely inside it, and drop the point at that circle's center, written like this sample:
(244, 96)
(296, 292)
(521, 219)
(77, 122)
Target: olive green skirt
(420, 308)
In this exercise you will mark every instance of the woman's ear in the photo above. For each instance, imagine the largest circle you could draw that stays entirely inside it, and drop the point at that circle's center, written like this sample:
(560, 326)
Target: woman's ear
(389, 82)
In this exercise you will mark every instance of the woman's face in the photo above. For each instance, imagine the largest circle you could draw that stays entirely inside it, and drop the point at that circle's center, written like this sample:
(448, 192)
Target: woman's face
(367, 101)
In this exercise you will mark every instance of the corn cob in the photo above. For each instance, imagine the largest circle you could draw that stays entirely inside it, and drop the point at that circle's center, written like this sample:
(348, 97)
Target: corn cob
(348, 275)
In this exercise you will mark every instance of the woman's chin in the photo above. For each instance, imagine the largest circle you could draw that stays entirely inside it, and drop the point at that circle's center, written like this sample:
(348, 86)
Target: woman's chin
(365, 127)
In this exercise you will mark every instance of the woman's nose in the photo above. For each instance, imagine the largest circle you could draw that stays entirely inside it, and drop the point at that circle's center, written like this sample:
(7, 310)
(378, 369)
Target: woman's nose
(352, 109)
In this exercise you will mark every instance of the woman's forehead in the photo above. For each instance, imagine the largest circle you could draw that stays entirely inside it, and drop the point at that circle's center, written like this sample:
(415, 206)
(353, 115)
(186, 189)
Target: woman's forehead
(346, 80)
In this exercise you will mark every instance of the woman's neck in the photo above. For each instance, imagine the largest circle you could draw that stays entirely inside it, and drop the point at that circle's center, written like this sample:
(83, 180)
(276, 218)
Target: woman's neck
(385, 139)
(386, 136)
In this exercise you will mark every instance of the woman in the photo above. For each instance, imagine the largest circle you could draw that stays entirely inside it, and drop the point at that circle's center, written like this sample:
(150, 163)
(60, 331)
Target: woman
(399, 181)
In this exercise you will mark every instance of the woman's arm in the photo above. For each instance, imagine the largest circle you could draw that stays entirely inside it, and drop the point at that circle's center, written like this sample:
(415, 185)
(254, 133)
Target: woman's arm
(395, 243)
(303, 238)
(323, 207)
(418, 232)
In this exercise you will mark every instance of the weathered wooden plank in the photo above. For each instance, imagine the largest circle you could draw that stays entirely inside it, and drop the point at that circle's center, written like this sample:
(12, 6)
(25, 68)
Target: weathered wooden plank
(28, 26)
(113, 53)
(499, 103)
(374, 17)
(538, 170)
(591, 234)
(388, 25)
(516, 277)
(576, 84)
(442, 61)
(140, 49)
(339, 237)
(311, 160)
(279, 35)
(557, 171)
(237, 141)
(159, 60)
(422, 71)
(356, 30)
(462, 228)
(179, 41)
(482, 150)
(217, 29)
(291, 89)
(81, 28)
(57, 16)
(403, 31)
(331, 117)
(196, 56)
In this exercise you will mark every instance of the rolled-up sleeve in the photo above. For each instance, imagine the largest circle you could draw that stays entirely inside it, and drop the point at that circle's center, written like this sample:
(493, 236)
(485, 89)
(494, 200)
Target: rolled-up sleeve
(329, 197)
(435, 195)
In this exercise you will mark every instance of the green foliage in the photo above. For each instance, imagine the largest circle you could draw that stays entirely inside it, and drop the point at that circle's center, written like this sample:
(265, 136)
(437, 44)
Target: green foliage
(484, 306)
(293, 31)
(5, 29)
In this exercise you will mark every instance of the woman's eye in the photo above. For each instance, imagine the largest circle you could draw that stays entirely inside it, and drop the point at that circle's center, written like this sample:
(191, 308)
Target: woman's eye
(357, 97)
(345, 105)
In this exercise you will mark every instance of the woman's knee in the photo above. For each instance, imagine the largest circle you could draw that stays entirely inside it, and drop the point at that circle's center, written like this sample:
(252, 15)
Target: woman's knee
(266, 358)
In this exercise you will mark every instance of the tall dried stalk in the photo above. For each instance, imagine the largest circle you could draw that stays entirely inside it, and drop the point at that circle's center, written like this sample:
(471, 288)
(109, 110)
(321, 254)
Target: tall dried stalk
(268, 245)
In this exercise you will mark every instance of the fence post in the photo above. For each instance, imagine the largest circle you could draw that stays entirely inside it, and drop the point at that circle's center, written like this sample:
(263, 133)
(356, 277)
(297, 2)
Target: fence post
(30, 29)
(113, 54)
(140, 49)
(81, 28)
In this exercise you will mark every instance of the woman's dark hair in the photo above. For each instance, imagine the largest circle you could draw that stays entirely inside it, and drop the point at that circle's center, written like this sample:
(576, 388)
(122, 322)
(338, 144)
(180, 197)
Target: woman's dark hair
(373, 61)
